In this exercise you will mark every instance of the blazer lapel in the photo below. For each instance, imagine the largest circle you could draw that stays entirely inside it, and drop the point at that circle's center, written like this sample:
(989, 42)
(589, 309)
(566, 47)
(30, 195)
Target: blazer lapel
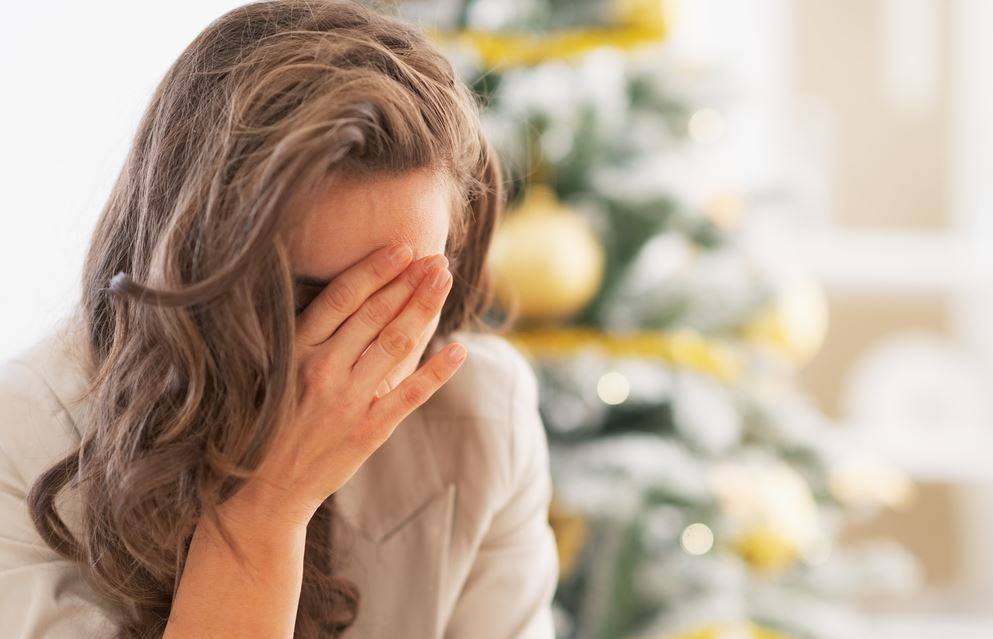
(399, 513)
(393, 484)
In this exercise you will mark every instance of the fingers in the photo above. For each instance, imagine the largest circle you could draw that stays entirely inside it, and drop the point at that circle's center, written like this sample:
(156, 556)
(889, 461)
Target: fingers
(399, 337)
(347, 292)
(392, 408)
(346, 346)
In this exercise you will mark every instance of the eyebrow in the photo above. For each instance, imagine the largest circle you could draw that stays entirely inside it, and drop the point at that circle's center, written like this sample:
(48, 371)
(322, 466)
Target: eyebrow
(311, 281)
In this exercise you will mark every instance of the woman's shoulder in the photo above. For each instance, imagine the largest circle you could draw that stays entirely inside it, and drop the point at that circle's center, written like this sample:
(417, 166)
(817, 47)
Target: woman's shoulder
(39, 389)
(486, 417)
(494, 376)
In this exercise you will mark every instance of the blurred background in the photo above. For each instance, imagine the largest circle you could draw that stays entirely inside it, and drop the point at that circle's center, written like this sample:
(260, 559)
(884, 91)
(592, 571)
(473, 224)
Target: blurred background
(747, 254)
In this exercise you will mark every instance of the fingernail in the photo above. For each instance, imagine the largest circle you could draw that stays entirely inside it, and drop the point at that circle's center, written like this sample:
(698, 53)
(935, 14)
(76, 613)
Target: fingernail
(424, 266)
(456, 352)
(399, 253)
(427, 263)
(441, 277)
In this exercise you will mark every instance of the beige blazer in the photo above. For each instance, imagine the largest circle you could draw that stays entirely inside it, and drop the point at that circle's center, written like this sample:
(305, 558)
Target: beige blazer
(445, 527)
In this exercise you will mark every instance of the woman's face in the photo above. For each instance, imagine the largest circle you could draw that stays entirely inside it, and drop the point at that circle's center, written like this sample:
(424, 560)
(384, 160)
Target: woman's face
(354, 218)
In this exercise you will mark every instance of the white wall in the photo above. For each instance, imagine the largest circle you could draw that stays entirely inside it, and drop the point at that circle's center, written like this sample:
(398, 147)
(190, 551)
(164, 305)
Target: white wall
(971, 205)
(75, 79)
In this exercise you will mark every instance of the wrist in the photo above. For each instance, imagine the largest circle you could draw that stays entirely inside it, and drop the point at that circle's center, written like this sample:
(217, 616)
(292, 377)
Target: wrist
(267, 509)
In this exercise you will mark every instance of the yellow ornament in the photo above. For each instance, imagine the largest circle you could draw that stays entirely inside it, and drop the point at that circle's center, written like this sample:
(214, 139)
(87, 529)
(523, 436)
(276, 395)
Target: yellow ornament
(795, 324)
(771, 515)
(765, 550)
(546, 261)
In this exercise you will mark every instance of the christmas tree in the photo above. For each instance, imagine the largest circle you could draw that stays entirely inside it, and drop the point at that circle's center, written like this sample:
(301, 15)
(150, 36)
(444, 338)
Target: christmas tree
(699, 494)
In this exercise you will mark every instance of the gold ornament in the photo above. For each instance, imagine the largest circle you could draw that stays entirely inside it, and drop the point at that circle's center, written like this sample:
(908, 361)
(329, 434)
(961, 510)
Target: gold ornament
(795, 324)
(772, 517)
(546, 261)
(767, 551)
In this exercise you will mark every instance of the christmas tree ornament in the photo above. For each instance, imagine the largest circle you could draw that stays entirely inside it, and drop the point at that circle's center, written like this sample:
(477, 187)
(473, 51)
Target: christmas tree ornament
(546, 261)
(766, 550)
(795, 323)
(770, 513)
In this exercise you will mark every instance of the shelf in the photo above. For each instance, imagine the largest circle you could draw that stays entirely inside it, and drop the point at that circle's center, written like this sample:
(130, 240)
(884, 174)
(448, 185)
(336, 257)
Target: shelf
(915, 626)
(951, 454)
(886, 261)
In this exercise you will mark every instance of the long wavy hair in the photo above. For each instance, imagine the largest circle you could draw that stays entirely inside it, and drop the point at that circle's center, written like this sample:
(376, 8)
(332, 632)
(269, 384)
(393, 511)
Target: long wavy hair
(188, 299)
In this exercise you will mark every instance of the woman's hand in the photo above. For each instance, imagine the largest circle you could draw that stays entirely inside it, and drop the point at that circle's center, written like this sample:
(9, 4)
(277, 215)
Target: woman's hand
(354, 333)
(349, 338)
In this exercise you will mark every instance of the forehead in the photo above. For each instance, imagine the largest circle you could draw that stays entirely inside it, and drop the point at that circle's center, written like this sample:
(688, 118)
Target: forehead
(352, 218)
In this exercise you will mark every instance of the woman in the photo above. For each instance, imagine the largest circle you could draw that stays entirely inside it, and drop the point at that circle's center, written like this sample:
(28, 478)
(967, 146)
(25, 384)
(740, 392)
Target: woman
(269, 417)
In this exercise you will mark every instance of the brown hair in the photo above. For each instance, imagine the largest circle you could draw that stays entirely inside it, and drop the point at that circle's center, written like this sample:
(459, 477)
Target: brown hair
(192, 367)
